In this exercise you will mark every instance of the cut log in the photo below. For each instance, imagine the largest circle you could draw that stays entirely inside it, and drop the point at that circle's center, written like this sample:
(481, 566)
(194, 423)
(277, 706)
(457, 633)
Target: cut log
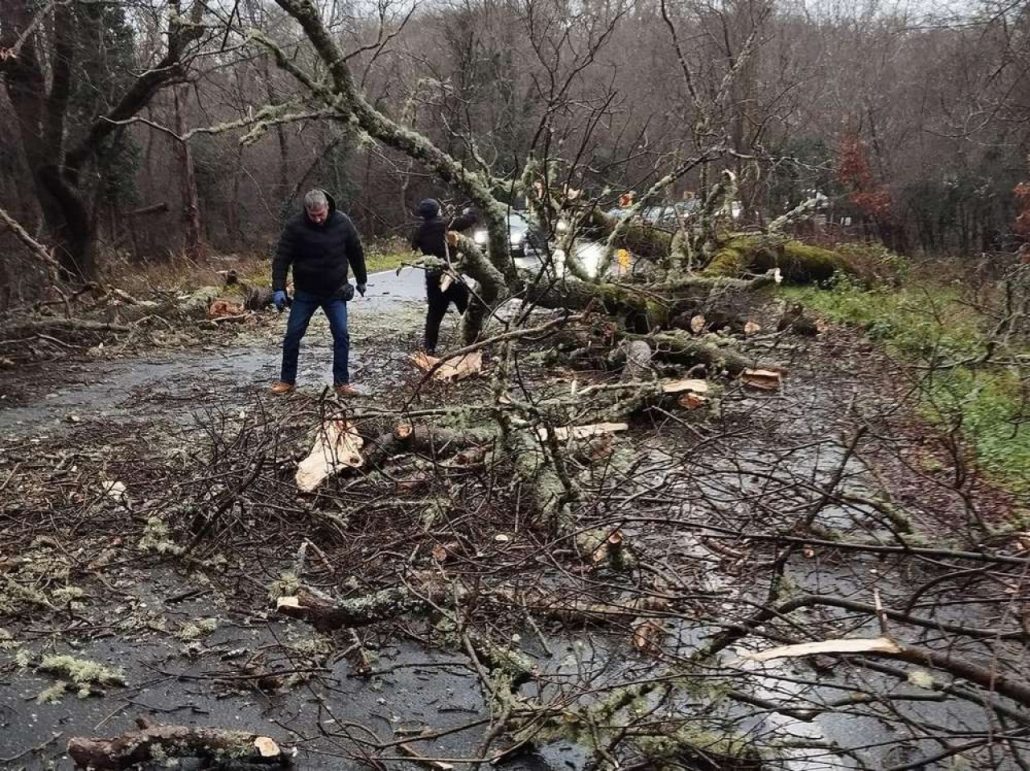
(336, 447)
(160, 742)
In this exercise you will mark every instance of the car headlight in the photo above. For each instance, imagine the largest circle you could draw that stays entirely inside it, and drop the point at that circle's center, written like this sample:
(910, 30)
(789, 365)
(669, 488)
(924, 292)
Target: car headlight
(516, 238)
(480, 237)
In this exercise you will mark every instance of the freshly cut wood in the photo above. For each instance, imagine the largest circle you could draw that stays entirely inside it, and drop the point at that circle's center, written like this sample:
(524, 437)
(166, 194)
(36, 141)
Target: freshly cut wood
(695, 385)
(864, 645)
(581, 432)
(762, 379)
(459, 368)
(154, 742)
(336, 447)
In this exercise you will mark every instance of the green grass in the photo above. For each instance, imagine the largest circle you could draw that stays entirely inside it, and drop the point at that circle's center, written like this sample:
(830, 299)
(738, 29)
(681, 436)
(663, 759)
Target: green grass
(387, 255)
(928, 327)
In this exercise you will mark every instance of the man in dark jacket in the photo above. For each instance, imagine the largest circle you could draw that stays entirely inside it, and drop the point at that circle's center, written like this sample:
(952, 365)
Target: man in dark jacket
(430, 238)
(318, 243)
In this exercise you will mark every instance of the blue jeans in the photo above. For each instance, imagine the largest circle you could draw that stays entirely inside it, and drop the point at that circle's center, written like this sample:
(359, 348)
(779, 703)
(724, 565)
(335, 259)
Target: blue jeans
(303, 308)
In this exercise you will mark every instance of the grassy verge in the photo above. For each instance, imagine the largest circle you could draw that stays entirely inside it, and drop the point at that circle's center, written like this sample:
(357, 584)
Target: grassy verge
(254, 269)
(945, 340)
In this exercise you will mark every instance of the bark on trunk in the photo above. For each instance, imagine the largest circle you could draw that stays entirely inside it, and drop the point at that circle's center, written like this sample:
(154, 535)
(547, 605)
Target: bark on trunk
(192, 244)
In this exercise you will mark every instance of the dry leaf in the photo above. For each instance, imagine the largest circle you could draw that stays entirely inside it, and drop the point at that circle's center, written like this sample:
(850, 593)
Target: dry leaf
(691, 401)
(221, 308)
(336, 447)
(647, 637)
(440, 552)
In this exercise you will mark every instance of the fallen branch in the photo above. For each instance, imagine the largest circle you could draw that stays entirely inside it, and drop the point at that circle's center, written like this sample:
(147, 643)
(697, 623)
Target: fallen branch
(157, 742)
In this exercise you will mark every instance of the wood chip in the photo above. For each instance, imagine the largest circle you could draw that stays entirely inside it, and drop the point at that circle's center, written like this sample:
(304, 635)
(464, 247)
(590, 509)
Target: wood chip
(762, 379)
(581, 432)
(336, 447)
(267, 747)
(696, 385)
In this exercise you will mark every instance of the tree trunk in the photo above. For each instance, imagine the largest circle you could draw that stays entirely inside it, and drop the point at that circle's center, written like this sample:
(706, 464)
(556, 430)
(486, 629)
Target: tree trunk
(193, 245)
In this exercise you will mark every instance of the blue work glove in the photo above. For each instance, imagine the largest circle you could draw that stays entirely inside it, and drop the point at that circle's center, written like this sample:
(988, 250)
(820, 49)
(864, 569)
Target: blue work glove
(361, 289)
(279, 299)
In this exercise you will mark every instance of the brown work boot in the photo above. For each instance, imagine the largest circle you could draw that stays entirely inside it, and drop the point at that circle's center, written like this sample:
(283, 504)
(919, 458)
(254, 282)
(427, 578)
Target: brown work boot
(282, 388)
(346, 389)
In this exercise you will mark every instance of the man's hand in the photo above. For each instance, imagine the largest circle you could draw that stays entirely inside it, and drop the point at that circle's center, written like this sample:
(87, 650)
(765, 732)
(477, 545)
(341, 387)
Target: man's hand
(361, 289)
(279, 299)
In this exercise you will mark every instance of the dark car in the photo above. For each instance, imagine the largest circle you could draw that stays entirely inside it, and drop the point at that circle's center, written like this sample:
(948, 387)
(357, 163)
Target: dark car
(524, 238)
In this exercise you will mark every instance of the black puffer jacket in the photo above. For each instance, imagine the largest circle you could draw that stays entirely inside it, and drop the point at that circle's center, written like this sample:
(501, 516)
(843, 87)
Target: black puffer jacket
(428, 237)
(319, 254)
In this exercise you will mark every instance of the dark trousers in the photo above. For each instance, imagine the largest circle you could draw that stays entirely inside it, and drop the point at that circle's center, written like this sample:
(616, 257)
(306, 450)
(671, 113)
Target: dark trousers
(303, 308)
(438, 300)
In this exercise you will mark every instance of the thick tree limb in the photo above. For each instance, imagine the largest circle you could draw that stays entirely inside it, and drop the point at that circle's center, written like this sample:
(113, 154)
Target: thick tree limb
(157, 742)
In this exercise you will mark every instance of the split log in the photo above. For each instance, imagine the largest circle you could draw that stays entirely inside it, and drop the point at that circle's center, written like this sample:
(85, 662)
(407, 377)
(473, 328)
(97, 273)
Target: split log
(337, 446)
(154, 742)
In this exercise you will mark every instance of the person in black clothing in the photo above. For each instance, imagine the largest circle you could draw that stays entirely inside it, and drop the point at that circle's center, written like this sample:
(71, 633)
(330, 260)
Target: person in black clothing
(441, 290)
(319, 243)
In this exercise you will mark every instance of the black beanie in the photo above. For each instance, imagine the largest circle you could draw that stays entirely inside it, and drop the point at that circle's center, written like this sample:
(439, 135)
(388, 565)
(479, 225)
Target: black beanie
(428, 208)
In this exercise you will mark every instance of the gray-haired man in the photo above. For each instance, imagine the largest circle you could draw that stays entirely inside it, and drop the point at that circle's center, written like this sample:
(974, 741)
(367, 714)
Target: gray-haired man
(319, 243)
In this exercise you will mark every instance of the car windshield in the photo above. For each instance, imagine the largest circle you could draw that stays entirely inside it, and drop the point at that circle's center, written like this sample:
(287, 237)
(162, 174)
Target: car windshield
(517, 222)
